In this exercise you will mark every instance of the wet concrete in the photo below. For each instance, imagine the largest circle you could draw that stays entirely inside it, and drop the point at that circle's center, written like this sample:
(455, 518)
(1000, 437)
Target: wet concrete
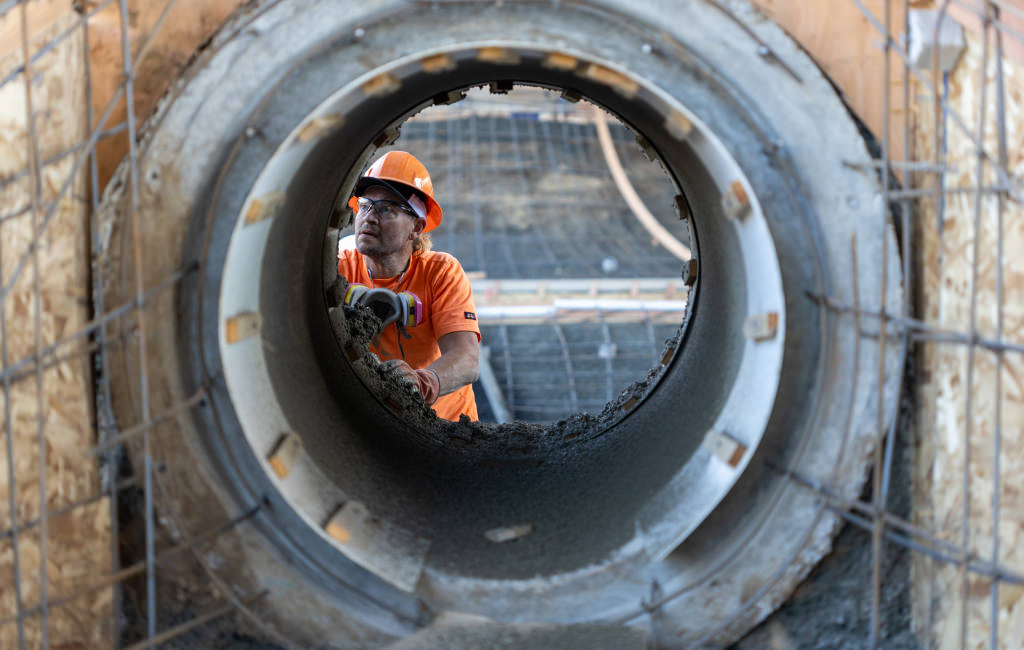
(355, 328)
(832, 607)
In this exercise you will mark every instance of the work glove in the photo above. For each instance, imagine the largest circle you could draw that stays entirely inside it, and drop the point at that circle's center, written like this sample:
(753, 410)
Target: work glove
(426, 380)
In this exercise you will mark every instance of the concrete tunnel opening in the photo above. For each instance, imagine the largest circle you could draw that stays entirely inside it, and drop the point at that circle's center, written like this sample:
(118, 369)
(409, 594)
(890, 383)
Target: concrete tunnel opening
(390, 511)
(573, 237)
(580, 484)
(524, 478)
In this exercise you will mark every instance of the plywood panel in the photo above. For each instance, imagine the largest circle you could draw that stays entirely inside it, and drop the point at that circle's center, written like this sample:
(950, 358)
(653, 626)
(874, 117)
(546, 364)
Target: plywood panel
(77, 548)
(947, 432)
(41, 16)
(968, 13)
(187, 25)
(848, 48)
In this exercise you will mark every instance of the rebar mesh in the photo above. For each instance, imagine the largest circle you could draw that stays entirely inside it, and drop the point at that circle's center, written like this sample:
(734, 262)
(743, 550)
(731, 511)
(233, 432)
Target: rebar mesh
(528, 196)
(550, 369)
(75, 510)
(532, 198)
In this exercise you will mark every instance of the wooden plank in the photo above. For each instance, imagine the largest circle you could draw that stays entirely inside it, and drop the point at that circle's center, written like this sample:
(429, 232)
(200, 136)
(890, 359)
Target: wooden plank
(42, 16)
(187, 25)
(848, 48)
(286, 454)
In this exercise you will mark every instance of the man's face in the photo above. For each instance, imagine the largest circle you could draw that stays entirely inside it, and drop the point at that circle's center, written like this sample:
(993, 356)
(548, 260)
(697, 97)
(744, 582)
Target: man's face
(377, 236)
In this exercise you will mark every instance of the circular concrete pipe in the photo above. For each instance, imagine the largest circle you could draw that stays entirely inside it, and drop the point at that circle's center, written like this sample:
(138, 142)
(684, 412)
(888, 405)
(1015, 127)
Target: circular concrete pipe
(668, 517)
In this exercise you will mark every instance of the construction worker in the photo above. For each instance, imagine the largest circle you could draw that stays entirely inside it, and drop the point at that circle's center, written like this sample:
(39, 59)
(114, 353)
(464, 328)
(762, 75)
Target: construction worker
(435, 338)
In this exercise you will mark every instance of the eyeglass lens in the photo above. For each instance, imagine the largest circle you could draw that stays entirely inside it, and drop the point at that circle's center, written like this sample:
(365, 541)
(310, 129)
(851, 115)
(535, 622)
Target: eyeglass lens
(384, 208)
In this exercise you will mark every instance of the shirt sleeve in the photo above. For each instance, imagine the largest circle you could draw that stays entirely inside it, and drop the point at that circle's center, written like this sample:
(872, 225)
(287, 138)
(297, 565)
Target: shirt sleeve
(452, 309)
(347, 265)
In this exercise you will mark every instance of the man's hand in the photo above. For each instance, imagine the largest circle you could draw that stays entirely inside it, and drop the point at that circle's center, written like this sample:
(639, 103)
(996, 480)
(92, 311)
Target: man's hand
(456, 367)
(427, 381)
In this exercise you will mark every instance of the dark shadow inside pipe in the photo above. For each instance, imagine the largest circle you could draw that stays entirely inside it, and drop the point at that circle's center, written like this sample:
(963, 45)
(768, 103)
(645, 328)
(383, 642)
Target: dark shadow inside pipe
(580, 495)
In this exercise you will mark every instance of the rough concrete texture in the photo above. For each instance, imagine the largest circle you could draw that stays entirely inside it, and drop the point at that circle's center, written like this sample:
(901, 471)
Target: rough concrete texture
(467, 633)
(195, 173)
(79, 389)
(183, 591)
(355, 329)
(832, 608)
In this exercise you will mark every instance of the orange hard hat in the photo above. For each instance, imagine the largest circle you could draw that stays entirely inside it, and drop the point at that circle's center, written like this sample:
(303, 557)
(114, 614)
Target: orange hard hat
(400, 171)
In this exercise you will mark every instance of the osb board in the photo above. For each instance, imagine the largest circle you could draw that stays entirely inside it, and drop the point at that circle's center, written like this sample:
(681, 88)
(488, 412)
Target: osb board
(40, 16)
(945, 258)
(849, 49)
(186, 26)
(77, 548)
(969, 12)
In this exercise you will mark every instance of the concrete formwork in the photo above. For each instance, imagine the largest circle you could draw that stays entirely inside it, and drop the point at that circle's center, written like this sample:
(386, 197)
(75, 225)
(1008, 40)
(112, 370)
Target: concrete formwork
(48, 424)
(945, 272)
(970, 252)
(273, 146)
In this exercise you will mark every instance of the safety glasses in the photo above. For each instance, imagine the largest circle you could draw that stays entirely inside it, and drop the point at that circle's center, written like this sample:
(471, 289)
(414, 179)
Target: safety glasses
(384, 208)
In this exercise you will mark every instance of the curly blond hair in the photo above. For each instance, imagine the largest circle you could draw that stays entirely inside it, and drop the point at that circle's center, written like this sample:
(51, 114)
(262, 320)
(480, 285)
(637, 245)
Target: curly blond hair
(422, 244)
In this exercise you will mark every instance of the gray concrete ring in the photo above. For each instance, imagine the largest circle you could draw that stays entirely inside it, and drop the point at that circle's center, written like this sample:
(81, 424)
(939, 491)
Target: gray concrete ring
(676, 497)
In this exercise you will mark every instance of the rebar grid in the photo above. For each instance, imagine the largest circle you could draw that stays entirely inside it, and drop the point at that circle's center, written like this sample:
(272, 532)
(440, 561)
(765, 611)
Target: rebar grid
(564, 364)
(923, 186)
(519, 187)
(86, 346)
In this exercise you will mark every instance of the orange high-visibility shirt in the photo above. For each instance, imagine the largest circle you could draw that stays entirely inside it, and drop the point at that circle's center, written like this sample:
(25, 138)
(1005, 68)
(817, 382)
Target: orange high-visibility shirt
(438, 280)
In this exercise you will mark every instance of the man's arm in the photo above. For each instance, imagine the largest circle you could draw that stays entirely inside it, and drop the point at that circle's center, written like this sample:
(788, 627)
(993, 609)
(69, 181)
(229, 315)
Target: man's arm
(458, 364)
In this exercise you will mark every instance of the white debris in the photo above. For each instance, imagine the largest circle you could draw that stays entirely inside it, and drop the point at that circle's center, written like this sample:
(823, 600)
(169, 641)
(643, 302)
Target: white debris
(508, 533)
(924, 40)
